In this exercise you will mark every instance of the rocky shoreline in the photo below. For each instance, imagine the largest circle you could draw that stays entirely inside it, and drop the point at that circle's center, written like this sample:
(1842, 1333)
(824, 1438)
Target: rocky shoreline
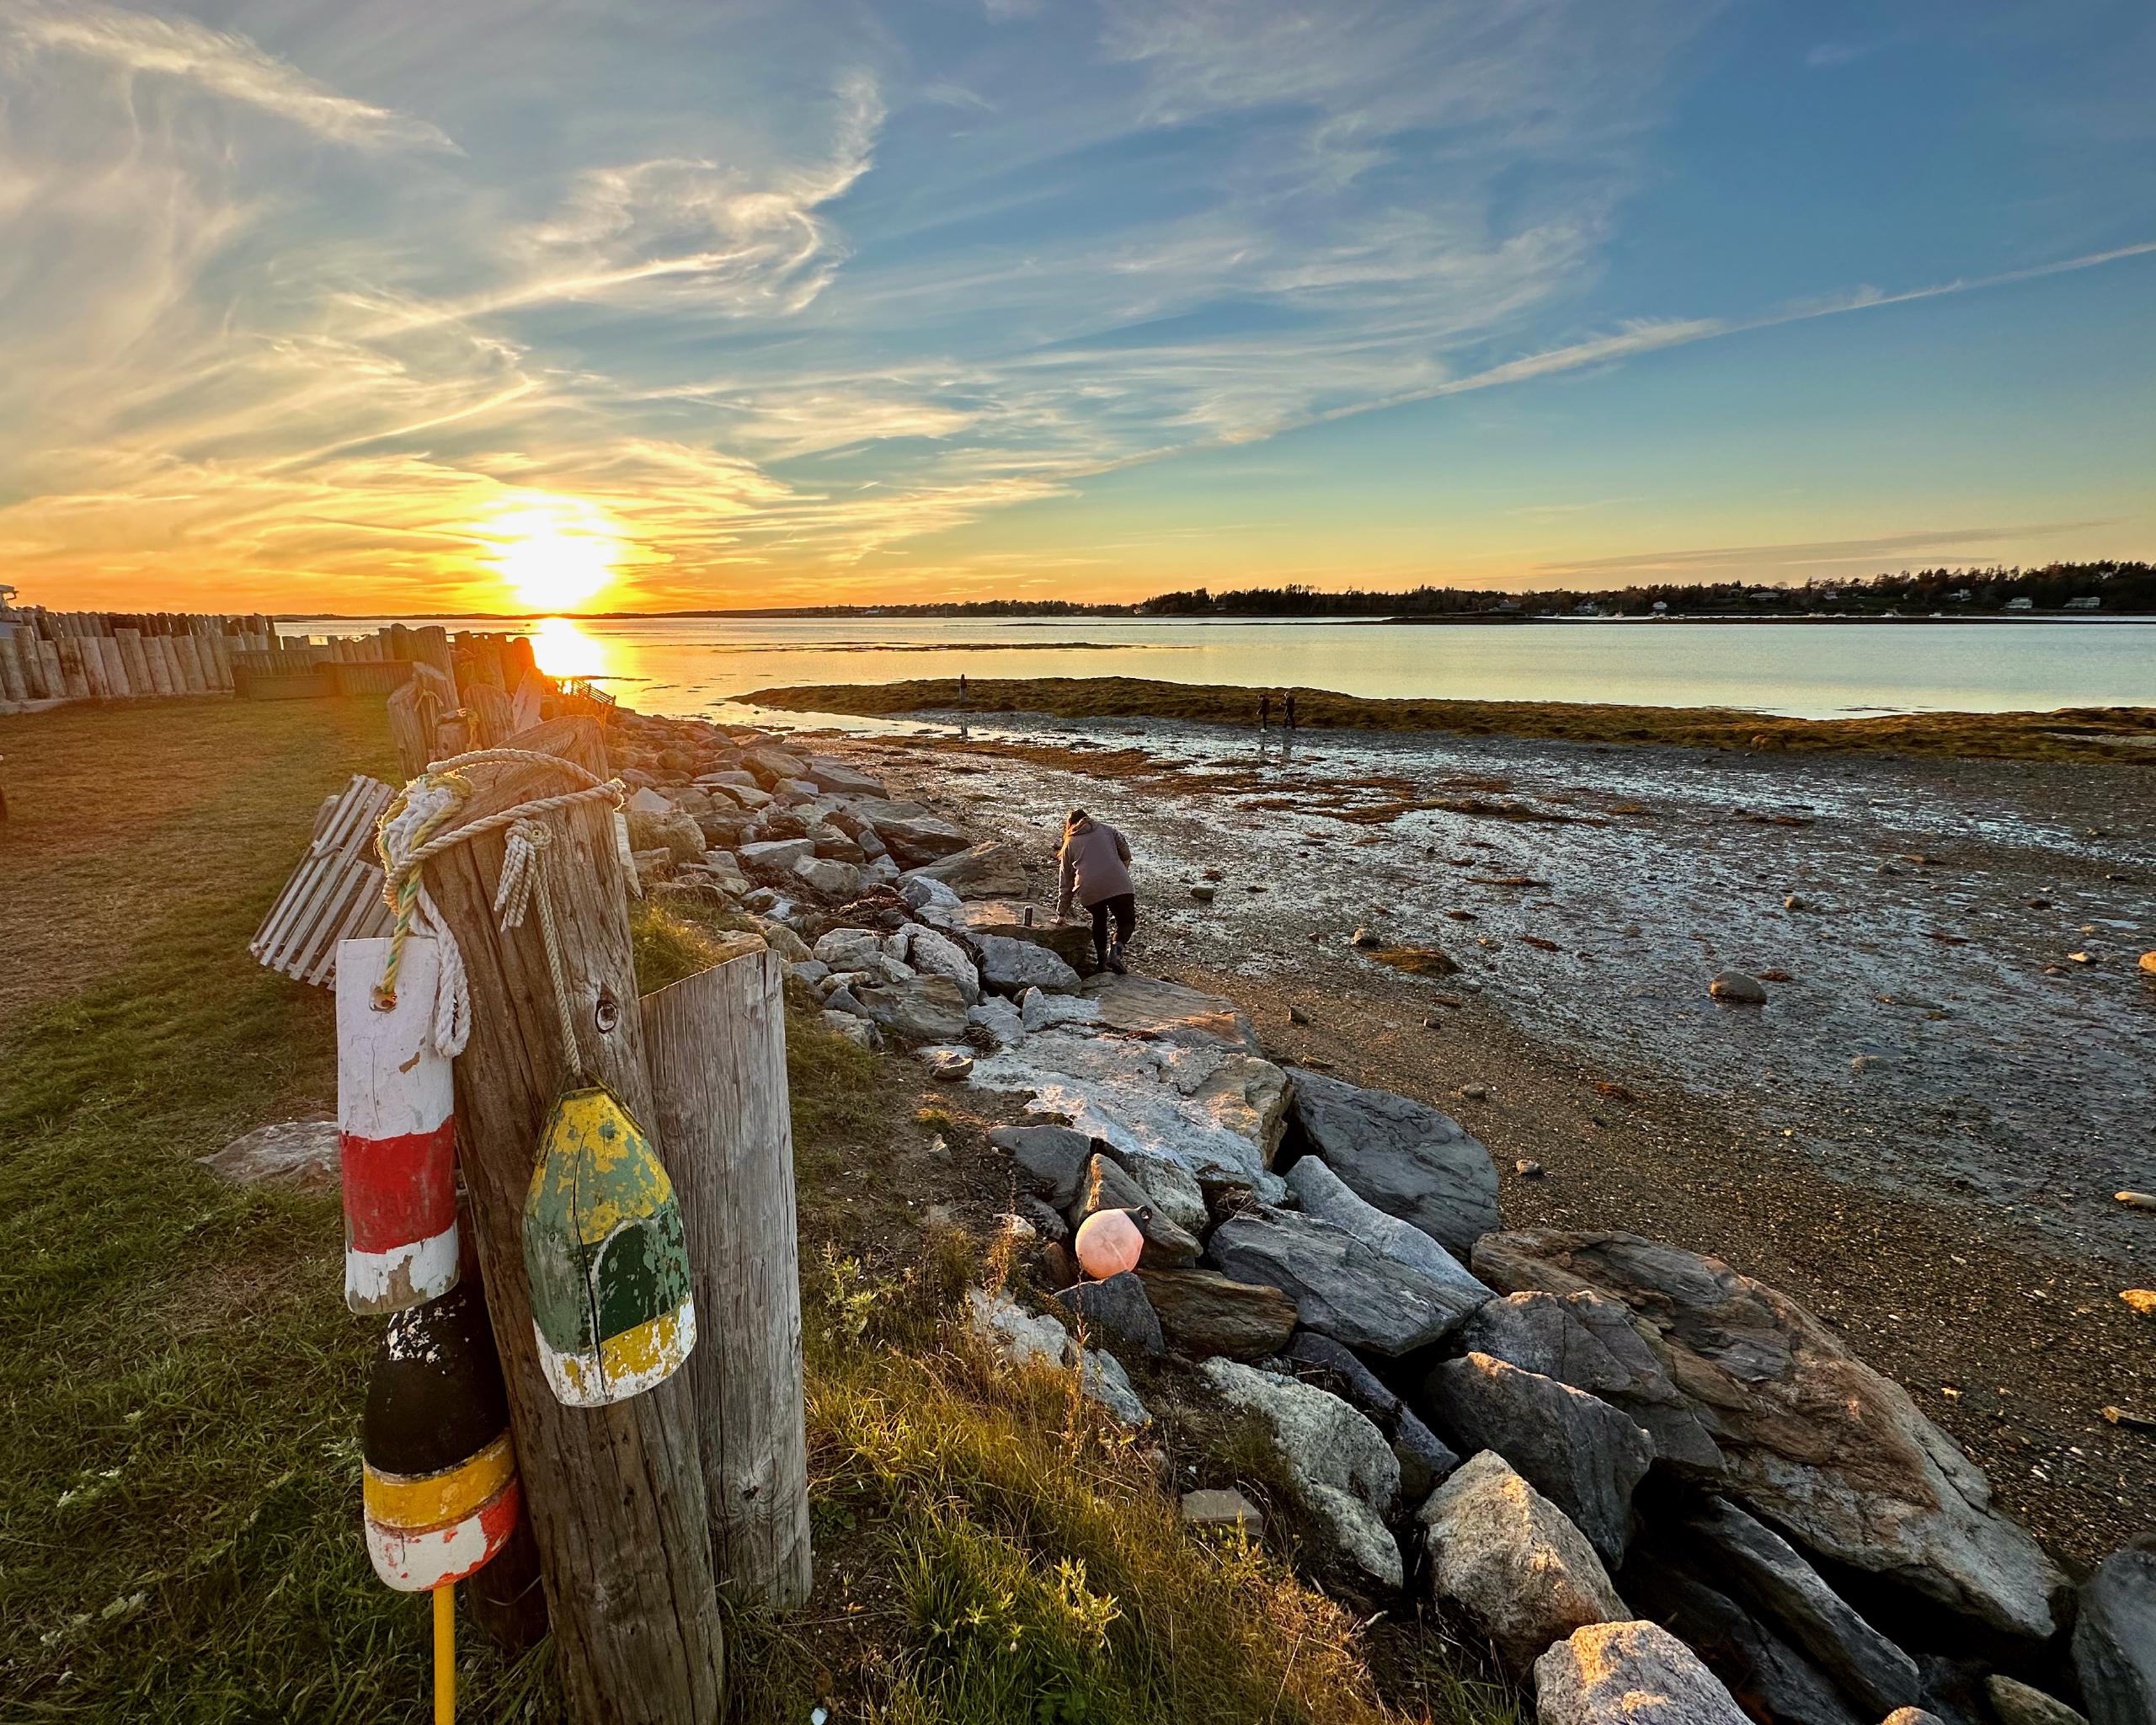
(1630, 1467)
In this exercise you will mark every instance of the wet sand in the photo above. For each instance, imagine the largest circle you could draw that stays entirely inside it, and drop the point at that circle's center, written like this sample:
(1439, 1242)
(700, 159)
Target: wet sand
(1919, 1134)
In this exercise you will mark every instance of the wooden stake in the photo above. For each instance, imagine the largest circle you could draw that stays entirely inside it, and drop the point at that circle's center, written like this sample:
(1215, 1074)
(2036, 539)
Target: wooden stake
(614, 1493)
(716, 1046)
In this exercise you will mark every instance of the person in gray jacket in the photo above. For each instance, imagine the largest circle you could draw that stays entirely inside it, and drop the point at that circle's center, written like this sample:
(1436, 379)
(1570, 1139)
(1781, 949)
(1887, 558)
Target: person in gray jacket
(1095, 870)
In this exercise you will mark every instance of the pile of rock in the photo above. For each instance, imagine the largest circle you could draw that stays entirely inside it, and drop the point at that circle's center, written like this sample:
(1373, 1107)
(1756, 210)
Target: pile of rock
(1677, 1482)
(1648, 1481)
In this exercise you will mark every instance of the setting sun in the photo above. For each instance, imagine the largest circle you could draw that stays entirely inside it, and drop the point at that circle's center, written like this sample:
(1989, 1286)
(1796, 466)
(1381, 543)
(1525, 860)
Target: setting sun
(555, 552)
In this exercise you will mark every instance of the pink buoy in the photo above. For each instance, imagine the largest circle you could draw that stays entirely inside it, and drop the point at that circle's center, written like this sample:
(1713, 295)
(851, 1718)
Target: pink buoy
(1109, 1243)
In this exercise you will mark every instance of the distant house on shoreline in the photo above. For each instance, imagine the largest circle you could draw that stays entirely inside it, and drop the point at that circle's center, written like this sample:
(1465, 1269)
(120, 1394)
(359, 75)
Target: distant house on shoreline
(2021, 602)
(2086, 601)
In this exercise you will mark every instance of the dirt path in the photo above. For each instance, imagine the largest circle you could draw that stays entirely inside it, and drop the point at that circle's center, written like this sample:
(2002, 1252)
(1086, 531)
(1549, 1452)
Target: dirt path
(1947, 1209)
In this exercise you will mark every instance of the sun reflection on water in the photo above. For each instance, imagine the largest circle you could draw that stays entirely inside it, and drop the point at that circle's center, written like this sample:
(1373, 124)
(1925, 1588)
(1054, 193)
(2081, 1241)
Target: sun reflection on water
(563, 649)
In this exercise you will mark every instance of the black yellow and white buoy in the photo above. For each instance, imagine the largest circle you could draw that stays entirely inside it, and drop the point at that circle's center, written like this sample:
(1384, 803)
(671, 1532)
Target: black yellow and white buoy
(440, 1494)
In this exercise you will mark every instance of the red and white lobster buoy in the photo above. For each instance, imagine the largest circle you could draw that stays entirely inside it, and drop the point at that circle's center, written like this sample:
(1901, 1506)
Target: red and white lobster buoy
(398, 1130)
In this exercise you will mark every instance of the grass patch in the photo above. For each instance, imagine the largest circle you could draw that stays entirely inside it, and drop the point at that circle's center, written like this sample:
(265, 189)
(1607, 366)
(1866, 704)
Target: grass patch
(181, 1382)
(676, 938)
(999, 1552)
(2085, 734)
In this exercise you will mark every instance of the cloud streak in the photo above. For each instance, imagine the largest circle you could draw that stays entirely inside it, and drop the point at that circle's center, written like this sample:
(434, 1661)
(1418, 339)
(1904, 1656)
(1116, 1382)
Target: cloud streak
(227, 67)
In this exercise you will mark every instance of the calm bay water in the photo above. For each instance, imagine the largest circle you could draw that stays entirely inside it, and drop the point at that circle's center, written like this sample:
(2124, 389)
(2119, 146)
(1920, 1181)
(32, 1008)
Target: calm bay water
(696, 665)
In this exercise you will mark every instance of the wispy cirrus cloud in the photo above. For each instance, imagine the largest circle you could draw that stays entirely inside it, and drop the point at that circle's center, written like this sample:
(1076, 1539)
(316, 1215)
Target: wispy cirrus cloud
(149, 46)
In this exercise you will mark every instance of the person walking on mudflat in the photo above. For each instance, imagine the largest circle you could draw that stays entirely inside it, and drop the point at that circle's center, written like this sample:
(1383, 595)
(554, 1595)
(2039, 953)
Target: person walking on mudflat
(1095, 864)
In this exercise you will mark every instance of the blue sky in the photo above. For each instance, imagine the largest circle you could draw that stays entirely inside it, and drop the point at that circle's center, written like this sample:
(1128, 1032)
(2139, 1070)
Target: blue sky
(383, 307)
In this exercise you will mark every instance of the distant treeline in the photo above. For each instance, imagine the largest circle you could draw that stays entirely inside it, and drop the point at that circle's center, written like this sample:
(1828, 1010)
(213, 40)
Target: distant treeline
(2115, 586)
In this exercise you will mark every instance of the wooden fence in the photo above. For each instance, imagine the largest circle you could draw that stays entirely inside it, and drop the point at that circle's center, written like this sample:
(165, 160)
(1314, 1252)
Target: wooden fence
(52, 656)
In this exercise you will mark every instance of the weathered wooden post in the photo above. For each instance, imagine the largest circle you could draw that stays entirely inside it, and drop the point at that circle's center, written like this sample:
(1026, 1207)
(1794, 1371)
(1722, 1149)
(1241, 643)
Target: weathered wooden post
(415, 711)
(614, 1493)
(715, 1044)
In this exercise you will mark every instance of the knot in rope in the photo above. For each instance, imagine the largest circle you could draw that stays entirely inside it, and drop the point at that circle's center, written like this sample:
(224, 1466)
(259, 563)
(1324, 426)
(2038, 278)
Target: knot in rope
(409, 835)
(527, 839)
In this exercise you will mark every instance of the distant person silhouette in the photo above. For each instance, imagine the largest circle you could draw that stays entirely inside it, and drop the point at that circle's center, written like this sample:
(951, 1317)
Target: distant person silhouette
(1264, 712)
(1291, 709)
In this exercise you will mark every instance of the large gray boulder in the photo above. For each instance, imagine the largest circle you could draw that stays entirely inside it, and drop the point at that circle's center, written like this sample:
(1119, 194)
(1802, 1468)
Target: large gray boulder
(938, 955)
(1763, 1571)
(913, 833)
(1400, 1155)
(924, 895)
(1011, 967)
(1424, 1457)
(1172, 1188)
(1053, 1159)
(1212, 1110)
(1322, 1193)
(840, 780)
(1204, 1313)
(995, 870)
(2014, 1703)
(675, 833)
(770, 764)
(1770, 1679)
(1116, 1305)
(772, 860)
(1341, 1287)
(1629, 1674)
(923, 1009)
(1000, 1018)
(1339, 1464)
(1814, 1440)
(850, 949)
(834, 879)
(2115, 1640)
(1509, 1561)
(1577, 1450)
(969, 920)
(1025, 1338)
(1588, 1341)
(1157, 1009)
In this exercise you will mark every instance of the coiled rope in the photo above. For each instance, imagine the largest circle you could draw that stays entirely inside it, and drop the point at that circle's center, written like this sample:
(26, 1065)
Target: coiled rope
(409, 835)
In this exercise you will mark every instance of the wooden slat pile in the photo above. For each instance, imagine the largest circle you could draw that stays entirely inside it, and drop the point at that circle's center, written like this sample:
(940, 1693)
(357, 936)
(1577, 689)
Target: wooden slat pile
(335, 893)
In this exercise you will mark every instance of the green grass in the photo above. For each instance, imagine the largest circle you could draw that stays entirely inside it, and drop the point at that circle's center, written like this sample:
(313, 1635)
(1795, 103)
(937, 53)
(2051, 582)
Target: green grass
(2119, 734)
(180, 1382)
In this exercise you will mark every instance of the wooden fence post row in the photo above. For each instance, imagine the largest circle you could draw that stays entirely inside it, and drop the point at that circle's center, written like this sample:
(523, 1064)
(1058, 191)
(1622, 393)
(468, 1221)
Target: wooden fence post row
(68, 655)
(92, 655)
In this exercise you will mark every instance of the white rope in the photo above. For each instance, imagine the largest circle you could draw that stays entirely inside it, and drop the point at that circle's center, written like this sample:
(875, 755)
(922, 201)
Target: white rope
(524, 879)
(431, 798)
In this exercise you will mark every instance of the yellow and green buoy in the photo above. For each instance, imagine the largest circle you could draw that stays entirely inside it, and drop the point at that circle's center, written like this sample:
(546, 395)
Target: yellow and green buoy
(605, 1255)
